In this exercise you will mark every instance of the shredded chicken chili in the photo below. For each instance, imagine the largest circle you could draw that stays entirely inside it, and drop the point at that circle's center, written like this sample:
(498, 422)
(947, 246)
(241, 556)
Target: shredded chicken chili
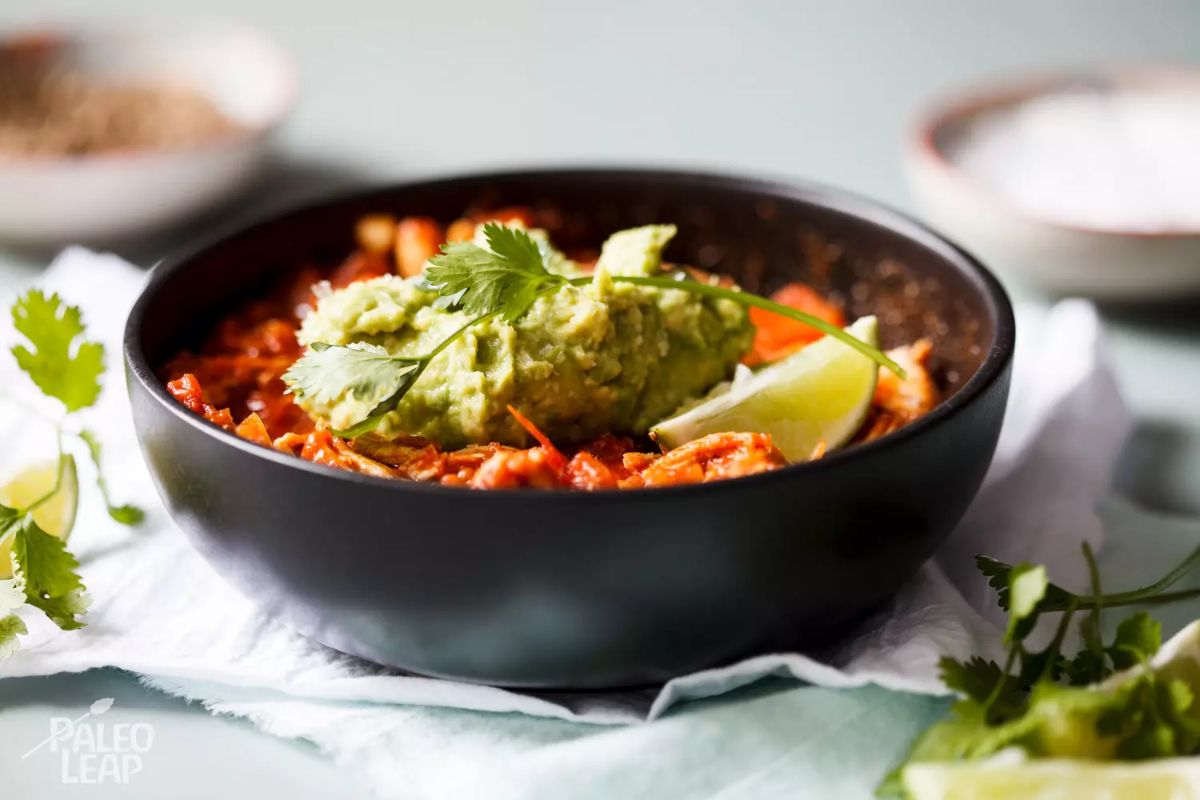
(235, 381)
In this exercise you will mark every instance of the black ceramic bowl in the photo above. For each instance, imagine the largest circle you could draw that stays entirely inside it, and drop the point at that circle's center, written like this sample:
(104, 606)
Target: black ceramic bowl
(543, 589)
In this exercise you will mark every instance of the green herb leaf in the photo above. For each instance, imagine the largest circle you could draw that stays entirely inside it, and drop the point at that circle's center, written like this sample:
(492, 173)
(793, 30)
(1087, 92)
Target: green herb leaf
(11, 626)
(978, 680)
(1145, 715)
(1027, 586)
(1151, 721)
(999, 575)
(62, 364)
(327, 372)
(1087, 667)
(505, 278)
(1090, 626)
(12, 597)
(49, 574)
(127, 514)
(975, 678)
(1138, 638)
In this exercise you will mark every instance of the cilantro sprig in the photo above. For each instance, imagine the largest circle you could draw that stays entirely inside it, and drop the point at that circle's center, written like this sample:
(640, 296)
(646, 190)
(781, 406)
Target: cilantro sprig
(61, 363)
(504, 279)
(1050, 705)
(65, 366)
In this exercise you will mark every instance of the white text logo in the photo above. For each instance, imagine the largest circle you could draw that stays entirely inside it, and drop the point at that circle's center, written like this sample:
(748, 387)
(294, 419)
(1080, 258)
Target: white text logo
(91, 751)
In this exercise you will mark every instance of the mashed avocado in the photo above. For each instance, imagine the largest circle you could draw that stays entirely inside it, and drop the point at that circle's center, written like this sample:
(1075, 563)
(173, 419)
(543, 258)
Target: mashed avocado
(583, 361)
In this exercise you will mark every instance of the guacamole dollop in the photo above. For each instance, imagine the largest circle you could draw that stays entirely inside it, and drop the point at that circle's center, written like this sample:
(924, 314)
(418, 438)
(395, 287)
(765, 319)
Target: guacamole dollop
(605, 357)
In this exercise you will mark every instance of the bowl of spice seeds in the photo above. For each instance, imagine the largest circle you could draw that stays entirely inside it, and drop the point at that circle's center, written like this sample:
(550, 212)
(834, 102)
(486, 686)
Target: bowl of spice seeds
(1086, 183)
(110, 134)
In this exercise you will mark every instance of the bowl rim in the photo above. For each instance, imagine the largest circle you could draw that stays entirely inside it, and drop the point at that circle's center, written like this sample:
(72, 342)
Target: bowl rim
(242, 136)
(994, 365)
(964, 103)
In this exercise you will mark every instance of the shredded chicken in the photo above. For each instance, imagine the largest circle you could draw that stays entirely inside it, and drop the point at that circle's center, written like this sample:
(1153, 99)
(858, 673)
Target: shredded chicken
(321, 446)
(710, 458)
(412, 457)
(898, 402)
(536, 467)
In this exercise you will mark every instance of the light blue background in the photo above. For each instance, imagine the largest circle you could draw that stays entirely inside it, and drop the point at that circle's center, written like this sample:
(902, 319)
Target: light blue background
(792, 89)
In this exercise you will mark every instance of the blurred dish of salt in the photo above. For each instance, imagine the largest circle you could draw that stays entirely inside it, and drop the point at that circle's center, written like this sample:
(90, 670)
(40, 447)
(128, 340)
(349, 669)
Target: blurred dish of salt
(1096, 156)
(1081, 183)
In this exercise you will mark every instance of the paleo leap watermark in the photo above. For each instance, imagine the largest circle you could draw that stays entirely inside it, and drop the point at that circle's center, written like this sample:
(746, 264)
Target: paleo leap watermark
(96, 752)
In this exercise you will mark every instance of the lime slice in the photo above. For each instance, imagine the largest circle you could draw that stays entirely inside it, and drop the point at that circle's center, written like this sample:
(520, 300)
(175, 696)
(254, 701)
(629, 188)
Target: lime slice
(1005, 777)
(56, 515)
(816, 397)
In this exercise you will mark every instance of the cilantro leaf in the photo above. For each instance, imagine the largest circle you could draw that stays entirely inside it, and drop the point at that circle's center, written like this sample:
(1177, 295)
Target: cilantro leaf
(515, 246)
(1137, 639)
(12, 597)
(1179, 710)
(49, 574)
(1146, 713)
(7, 517)
(11, 626)
(975, 678)
(504, 279)
(62, 363)
(1087, 667)
(998, 574)
(1027, 586)
(327, 372)
(368, 374)
(127, 514)
(1152, 721)
(982, 681)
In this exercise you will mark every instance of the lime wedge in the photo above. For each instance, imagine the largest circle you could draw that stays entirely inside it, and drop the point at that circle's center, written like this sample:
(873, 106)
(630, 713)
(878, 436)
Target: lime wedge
(1005, 777)
(56, 516)
(815, 398)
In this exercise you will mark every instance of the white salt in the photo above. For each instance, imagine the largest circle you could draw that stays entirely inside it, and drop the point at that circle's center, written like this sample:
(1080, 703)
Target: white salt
(1101, 158)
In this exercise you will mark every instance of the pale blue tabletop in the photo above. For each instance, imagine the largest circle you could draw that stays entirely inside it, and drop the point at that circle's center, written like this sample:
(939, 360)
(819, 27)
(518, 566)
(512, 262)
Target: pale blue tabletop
(398, 88)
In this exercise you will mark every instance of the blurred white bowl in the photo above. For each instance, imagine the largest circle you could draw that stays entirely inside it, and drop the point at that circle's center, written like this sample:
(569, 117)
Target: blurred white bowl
(1105, 263)
(114, 196)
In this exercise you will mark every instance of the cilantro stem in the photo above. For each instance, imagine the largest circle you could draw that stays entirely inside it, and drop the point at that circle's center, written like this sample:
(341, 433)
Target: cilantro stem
(1094, 576)
(442, 345)
(60, 468)
(749, 299)
(1055, 648)
(58, 476)
(1092, 636)
(1152, 600)
(1009, 661)
(371, 421)
(1133, 595)
(1151, 593)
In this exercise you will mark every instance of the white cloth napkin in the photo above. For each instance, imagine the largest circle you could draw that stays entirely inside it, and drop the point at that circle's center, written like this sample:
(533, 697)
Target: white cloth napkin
(159, 610)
